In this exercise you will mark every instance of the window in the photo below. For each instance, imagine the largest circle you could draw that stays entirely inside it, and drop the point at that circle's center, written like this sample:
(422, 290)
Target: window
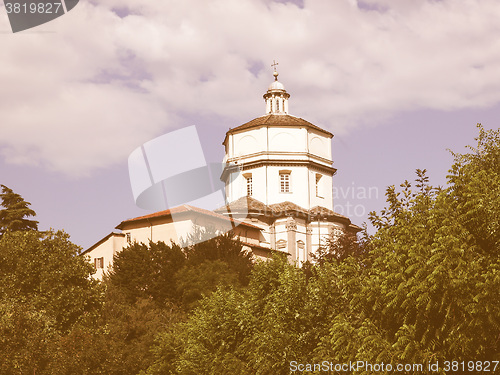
(249, 186)
(99, 262)
(129, 237)
(284, 182)
(319, 192)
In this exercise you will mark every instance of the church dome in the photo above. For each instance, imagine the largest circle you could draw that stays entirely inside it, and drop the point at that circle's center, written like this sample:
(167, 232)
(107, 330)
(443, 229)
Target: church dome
(276, 85)
(276, 96)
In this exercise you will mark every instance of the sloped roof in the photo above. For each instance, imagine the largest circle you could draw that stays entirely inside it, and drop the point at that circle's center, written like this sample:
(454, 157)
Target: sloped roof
(244, 204)
(325, 212)
(286, 207)
(249, 204)
(181, 209)
(318, 210)
(277, 120)
(112, 234)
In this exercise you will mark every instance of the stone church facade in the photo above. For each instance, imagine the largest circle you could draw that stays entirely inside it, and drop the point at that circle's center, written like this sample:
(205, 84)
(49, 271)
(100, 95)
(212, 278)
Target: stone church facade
(278, 176)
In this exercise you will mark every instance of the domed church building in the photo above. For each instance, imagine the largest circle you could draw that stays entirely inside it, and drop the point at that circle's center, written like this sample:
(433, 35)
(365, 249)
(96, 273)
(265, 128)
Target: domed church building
(279, 193)
(279, 177)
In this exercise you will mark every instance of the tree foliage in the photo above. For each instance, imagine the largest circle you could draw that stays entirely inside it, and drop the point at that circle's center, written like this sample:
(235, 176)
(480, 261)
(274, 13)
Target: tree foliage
(45, 292)
(152, 287)
(425, 288)
(45, 270)
(179, 274)
(13, 217)
(147, 271)
(337, 248)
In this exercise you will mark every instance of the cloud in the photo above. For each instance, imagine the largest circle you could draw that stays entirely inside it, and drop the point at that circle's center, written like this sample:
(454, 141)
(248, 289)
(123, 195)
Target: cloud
(81, 92)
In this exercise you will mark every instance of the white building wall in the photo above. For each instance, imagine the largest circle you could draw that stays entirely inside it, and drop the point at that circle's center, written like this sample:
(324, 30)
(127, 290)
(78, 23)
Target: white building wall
(320, 145)
(288, 140)
(239, 187)
(321, 233)
(139, 233)
(248, 142)
(325, 190)
(106, 250)
(299, 190)
(281, 144)
(301, 241)
(166, 230)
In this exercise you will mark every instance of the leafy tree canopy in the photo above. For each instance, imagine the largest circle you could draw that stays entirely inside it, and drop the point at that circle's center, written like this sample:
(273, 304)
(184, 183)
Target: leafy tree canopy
(45, 292)
(152, 287)
(13, 217)
(171, 273)
(45, 270)
(427, 289)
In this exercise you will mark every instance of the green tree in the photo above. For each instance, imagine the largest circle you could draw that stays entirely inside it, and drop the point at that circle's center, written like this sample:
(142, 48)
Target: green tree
(85, 350)
(212, 339)
(339, 247)
(475, 190)
(170, 273)
(26, 337)
(226, 248)
(256, 330)
(426, 289)
(151, 287)
(432, 288)
(45, 292)
(16, 210)
(46, 270)
(193, 281)
(131, 331)
(142, 271)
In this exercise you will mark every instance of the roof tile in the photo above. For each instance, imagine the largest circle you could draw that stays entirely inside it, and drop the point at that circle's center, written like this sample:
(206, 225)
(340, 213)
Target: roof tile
(278, 120)
(184, 208)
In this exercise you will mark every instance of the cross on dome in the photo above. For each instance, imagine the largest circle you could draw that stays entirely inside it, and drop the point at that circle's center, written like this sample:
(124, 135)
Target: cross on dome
(275, 73)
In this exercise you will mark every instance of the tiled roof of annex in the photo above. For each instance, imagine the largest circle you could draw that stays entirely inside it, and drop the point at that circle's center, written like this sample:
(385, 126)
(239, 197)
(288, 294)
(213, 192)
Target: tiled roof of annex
(180, 209)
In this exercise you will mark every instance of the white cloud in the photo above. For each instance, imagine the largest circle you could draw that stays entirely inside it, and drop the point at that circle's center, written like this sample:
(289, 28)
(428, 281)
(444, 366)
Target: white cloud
(83, 96)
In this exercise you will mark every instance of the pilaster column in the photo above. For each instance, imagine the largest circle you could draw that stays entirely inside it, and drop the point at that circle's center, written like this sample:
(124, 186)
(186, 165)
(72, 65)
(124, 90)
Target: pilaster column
(272, 232)
(291, 228)
(309, 232)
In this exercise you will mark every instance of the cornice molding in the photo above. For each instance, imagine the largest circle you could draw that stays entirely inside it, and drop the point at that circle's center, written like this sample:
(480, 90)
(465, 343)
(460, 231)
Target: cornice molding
(290, 163)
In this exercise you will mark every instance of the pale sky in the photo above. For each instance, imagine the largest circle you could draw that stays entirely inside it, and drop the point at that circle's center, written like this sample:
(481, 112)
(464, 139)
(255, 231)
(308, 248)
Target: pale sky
(398, 82)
